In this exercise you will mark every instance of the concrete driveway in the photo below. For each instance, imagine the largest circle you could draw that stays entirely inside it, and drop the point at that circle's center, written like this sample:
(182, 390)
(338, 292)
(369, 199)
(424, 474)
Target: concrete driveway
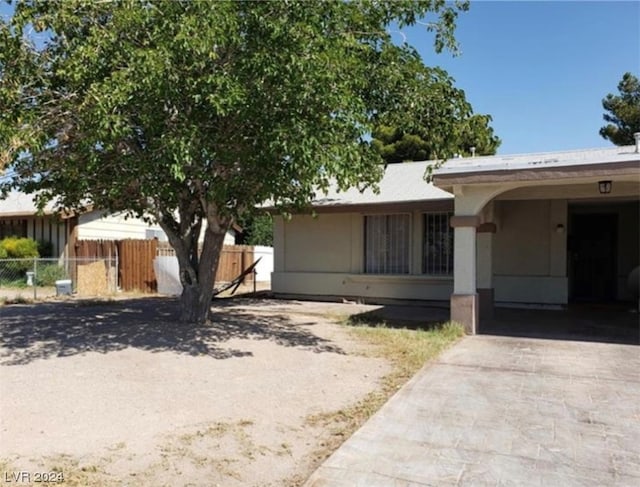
(504, 411)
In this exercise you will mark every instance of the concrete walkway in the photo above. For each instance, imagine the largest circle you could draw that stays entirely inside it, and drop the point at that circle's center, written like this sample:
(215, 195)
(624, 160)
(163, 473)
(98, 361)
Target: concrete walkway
(504, 411)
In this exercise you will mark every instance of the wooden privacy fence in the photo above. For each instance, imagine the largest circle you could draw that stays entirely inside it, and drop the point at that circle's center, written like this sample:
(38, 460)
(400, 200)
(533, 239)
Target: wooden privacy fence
(135, 260)
(136, 265)
(233, 260)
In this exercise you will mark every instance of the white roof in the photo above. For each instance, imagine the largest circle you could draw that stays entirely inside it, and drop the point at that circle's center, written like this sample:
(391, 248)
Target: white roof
(402, 182)
(21, 204)
(539, 160)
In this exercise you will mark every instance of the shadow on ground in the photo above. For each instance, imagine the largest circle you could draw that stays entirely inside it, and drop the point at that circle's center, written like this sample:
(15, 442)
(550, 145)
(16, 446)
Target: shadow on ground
(591, 323)
(40, 331)
(398, 316)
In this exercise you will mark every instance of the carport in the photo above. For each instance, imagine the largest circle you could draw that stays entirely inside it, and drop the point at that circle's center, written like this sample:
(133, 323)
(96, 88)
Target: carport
(555, 235)
(583, 322)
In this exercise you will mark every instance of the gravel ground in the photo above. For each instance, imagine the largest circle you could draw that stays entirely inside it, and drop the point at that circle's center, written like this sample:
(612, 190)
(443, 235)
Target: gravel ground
(118, 393)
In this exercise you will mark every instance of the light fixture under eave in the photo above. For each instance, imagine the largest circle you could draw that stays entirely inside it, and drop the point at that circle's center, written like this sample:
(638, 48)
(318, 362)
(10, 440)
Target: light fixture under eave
(604, 187)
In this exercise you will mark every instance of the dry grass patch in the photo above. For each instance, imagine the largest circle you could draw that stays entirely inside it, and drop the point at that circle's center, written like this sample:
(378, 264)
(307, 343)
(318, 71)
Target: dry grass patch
(408, 350)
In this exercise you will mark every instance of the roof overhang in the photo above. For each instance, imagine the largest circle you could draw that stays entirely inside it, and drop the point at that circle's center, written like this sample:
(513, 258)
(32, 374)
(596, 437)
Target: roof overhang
(443, 204)
(609, 170)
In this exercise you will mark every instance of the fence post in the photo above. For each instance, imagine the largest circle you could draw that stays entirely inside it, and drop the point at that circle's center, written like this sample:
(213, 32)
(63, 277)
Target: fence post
(115, 280)
(35, 279)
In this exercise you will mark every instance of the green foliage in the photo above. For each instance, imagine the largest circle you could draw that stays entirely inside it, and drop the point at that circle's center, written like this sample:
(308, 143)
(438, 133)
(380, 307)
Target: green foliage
(257, 230)
(19, 248)
(623, 112)
(24, 249)
(45, 248)
(195, 110)
(48, 274)
(475, 131)
(437, 134)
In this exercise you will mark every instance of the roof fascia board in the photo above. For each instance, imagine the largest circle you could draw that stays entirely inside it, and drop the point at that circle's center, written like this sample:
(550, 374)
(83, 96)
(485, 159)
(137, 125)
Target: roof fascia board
(538, 174)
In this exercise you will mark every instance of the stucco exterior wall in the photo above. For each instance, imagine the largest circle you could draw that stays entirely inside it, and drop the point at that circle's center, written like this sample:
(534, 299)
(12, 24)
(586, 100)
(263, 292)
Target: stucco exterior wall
(361, 285)
(529, 252)
(323, 256)
(320, 244)
(526, 256)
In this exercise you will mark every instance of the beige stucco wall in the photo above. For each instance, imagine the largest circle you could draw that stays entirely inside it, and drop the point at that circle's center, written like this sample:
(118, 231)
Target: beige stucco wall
(319, 244)
(361, 285)
(323, 256)
(529, 253)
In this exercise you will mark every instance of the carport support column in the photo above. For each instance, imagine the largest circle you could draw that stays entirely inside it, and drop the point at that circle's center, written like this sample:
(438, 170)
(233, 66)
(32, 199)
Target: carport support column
(464, 300)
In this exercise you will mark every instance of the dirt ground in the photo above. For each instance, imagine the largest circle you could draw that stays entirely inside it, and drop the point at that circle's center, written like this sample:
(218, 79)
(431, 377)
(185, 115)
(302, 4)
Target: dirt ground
(118, 393)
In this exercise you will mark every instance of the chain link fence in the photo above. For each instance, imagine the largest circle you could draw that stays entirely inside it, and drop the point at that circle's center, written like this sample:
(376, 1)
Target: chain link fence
(26, 279)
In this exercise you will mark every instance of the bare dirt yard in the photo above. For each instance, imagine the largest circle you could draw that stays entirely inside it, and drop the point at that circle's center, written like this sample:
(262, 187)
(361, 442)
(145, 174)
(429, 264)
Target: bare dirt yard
(119, 393)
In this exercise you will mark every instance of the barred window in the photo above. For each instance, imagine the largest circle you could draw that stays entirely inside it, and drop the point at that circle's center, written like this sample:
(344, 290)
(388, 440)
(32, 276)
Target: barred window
(437, 255)
(387, 244)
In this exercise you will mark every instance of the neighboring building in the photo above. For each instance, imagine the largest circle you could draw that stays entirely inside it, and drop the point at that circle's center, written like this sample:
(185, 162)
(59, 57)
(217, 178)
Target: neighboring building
(19, 217)
(95, 225)
(534, 229)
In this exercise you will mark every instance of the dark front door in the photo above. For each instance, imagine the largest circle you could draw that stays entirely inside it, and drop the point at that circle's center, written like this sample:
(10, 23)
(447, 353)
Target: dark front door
(592, 254)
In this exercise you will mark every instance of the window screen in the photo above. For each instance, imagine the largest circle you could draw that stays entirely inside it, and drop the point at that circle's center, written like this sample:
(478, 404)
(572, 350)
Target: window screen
(387, 244)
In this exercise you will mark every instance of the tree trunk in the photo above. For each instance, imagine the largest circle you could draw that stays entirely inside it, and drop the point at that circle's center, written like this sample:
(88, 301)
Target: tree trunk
(195, 301)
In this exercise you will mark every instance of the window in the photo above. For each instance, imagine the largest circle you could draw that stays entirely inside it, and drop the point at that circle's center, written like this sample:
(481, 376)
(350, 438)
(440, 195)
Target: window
(437, 253)
(386, 240)
(13, 228)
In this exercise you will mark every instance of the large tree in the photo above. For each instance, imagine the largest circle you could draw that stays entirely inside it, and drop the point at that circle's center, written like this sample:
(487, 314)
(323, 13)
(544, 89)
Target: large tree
(623, 112)
(442, 125)
(192, 112)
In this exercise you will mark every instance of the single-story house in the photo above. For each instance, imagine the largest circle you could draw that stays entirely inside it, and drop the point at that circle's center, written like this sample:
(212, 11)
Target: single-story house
(541, 229)
(20, 217)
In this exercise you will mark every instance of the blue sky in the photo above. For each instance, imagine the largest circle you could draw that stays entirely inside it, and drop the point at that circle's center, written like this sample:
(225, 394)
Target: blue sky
(541, 69)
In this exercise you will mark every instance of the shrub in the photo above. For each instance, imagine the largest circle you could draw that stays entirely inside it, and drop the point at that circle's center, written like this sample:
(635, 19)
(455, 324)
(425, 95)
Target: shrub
(19, 248)
(48, 274)
(45, 248)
